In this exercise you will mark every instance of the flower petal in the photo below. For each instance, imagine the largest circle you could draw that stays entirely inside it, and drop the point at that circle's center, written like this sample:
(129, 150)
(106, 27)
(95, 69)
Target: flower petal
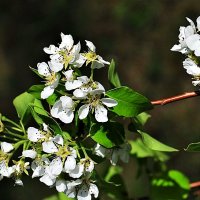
(56, 109)
(83, 111)
(47, 92)
(29, 153)
(43, 69)
(6, 147)
(58, 139)
(66, 116)
(55, 66)
(83, 193)
(94, 190)
(67, 41)
(46, 179)
(70, 164)
(90, 46)
(109, 102)
(67, 102)
(61, 185)
(49, 147)
(34, 134)
(77, 171)
(101, 113)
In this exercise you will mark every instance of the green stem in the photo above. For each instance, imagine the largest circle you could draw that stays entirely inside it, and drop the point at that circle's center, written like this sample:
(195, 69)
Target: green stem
(10, 121)
(84, 152)
(23, 129)
(14, 134)
(92, 72)
(8, 138)
(17, 129)
(18, 144)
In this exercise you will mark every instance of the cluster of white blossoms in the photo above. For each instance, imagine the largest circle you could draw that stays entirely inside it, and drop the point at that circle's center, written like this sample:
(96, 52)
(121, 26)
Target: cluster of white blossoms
(81, 92)
(57, 160)
(189, 44)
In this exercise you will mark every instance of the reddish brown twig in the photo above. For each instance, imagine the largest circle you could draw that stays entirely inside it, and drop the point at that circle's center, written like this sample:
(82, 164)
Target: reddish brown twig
(195, 184)
(176, 98)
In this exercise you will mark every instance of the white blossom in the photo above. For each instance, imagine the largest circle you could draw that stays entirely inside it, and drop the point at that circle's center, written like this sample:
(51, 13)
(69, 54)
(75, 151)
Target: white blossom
(97, 105)
(49, 72)
(29, 153)
(63, 109)
(67, 53)
(61, 185)
(6, 147)
(91, 57)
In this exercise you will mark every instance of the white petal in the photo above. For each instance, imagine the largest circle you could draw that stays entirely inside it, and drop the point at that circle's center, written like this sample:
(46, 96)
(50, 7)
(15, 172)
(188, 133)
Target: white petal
(83, 111)
(176, 47)
(109, 102)
(68, 74)
(6, 147)
(34, 134)
(55, 66)
(90, 46)
(100, 150)
(5, 170)
(80, 93)
(83, 79)
(198, 23)
(97, 65)
(67, 102)
(29, 153)
(67, 41)
(19, 182)
(38, 171)
(56, 109)
(61, 185)
(43, 69)
(80, 60)
(47, 92)
(101, 113)
(83, 193)
(191, 67)
(88, 164)
(71, 85)
(56, 166)
(114, 157)
(46, 179)
(193, 41)
(51, 49)
(70, 164)
(66, 116)
(45, 127)
(77, 171)
(58, 139)
(94, 190)
(49, 147)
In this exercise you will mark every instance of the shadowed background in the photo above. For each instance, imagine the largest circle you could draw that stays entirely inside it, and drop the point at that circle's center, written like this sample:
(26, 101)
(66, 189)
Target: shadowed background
(138, 34)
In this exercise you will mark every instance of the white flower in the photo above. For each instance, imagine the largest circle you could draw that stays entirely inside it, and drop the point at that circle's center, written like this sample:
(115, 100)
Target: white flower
(52, 80)
(29, 153)
(185, 32)
(67, 53)
(5, 170)
(85, 165)
(91, 56)
(115, 153)
(6, 147)
(71, 83)
(38, 166)
(83, 190)
(95, 104)
(48, 142)
(193, 43)
(122, 152)
(192, 69)
(52, 171)
(63, 109)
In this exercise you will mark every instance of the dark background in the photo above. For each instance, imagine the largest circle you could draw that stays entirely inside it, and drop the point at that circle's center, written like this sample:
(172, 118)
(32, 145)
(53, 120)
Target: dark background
(138, 34)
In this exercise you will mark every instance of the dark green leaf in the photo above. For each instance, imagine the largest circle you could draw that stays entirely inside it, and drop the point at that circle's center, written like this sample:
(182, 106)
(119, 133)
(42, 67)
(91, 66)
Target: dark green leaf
(154, 144)
(113, 76)
(108, 134)
(130, 103)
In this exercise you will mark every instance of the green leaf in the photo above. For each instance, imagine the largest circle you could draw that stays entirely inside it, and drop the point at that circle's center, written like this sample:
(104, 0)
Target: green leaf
(36, 90)
(113, 76)
(108, 134)
(141, 151)
(180, 179)
(62, 196)
(52, 99)
(155, 144)
(53, 197)
(193, 147)
(22, 103)
(113, 170)
(142, 118)
(38, 107)
(130, 103)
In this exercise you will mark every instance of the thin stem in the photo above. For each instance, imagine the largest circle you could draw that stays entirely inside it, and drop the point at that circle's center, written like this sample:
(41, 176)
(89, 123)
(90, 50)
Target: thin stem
(13, 134)
(8, 138)
(10, 121)
(176, 98)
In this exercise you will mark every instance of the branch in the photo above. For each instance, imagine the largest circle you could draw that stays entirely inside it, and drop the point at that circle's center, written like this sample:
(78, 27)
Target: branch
(195, 184)
(176, 98)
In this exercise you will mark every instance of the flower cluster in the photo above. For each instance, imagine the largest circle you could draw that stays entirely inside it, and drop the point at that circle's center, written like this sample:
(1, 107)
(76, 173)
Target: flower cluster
(57, 157)
(189, 44)
(80, 91)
